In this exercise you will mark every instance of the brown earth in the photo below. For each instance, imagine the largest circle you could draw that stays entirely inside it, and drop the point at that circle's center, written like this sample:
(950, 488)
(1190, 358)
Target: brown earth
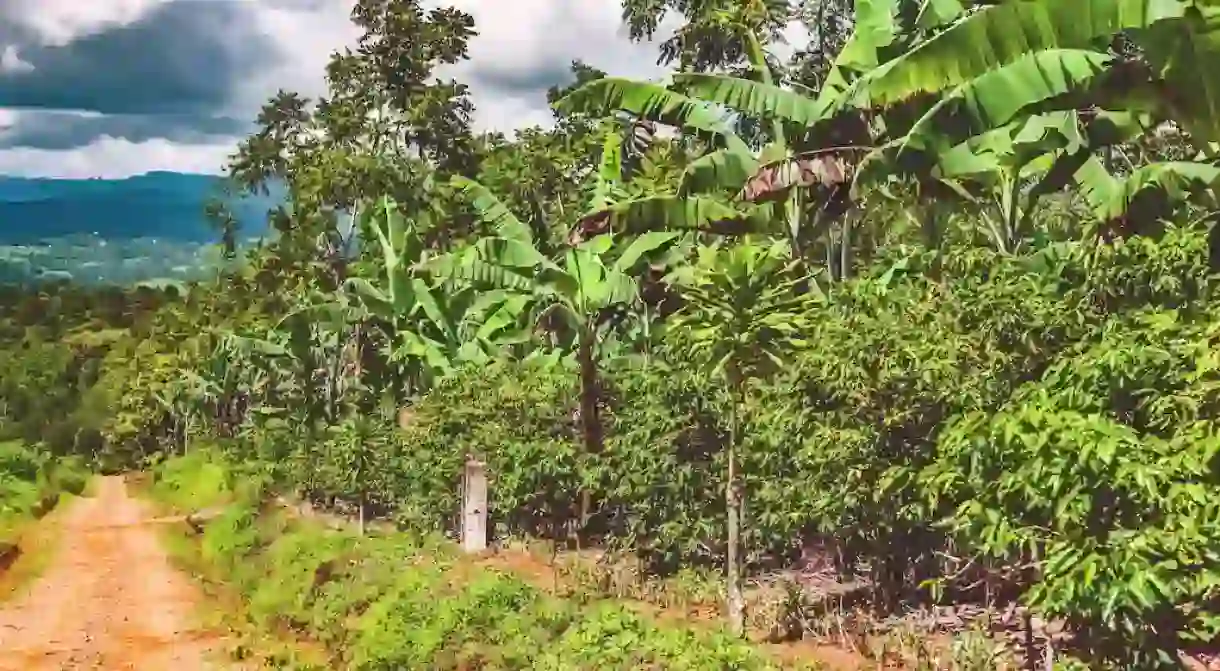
(108, 598)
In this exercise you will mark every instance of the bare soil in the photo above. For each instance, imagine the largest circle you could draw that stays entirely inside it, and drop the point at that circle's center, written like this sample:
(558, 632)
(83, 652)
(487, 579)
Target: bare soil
(108, 598)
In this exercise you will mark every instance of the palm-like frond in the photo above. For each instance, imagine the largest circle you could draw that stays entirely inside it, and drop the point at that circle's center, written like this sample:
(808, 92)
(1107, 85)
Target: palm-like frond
(1000, 34)
(492, 211)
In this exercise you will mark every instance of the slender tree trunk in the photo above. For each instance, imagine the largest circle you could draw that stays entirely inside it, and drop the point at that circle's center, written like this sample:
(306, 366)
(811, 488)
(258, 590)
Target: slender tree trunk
(931, 221)
(736, 601)
(360, 514)
(590, 417)
(845, 248)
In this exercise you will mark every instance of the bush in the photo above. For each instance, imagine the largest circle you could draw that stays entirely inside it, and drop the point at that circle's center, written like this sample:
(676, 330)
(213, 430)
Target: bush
(32, 481)
(398, 601)
(929, 424)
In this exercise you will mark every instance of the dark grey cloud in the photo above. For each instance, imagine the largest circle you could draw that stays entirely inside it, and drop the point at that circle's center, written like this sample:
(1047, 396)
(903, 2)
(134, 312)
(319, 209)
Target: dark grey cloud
(166, 77)
(517, 81)
(183, 57)
(50, 129)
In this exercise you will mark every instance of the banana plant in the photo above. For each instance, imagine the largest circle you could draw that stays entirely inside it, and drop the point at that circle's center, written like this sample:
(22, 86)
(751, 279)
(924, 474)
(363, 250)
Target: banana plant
(569, 298)
(1022, 162)
(931, 75)
(1006, 171)
(800, 175)
(759, 183)
(436, 324)
(1041, 57)
(611, 209)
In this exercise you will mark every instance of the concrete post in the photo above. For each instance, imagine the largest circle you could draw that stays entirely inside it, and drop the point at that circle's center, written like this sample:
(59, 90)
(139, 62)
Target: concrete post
(474, 507)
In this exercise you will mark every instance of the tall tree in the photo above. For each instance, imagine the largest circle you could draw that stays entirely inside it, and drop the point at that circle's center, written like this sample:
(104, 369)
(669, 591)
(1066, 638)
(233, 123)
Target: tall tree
(384, 124)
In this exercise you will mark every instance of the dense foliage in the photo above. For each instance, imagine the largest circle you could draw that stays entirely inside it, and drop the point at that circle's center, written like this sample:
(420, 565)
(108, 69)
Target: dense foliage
(437, 614)
(935, 307)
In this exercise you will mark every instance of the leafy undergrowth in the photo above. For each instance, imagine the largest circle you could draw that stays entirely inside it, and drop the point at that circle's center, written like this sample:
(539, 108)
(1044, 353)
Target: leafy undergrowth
(32, 484)
(396, 602)
(776, 616)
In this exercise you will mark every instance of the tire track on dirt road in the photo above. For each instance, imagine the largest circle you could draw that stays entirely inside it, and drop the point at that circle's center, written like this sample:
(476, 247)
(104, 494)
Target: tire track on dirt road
(109, 598)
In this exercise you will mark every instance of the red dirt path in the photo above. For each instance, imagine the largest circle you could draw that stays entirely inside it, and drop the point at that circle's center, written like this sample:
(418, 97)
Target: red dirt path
(108, 599)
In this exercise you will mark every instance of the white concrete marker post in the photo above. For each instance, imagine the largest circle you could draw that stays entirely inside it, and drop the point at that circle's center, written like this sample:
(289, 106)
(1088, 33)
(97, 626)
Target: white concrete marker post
(474, 507)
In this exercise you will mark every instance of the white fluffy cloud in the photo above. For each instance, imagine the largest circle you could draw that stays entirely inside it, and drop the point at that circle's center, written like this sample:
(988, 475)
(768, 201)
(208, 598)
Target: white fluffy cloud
(114, 158)
(10, 61)
(520, 44)
(58, 22)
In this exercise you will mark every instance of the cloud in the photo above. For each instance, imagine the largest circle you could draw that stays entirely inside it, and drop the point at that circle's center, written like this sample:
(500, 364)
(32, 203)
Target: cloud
(10, 61)
(59, 22)
(526, 46)
(114, 158)
(164, 79)
(61, 129)
(177, 58)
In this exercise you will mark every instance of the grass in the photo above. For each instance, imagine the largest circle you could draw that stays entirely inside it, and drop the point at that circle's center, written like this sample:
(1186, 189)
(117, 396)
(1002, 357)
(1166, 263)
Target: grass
(32, 489)
(392, 601)
(32, 543)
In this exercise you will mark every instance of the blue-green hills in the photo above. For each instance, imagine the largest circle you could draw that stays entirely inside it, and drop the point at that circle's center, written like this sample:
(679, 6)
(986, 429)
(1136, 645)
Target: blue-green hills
(150, 226)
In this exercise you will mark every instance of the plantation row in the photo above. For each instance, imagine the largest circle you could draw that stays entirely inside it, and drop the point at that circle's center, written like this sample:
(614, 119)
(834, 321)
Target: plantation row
(940, 433)
(928, 305)
(351, 595)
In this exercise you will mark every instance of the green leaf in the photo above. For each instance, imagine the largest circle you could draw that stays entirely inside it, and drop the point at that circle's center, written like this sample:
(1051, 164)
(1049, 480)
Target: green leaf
(648, 101)
(997, 35)
(754, 98)
(723, 169)
(995, 98)
(644, 244)
(673, 213)
(609, 173)
(1176, 180)
(493, 212)
(1185, 53)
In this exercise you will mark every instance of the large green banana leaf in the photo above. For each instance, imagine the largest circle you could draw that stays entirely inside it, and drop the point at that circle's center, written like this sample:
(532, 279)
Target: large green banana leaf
(876, 29)
(649, 101)
(1185, 53)
(609, 172)
(997, 35)
(492, 211)
(1001, 95)
(672, 213)
(1175, 181)
(753, 98)
(723, 169)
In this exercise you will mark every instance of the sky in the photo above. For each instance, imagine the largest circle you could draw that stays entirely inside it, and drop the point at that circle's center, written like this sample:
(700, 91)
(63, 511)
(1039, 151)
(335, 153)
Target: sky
(113, 88)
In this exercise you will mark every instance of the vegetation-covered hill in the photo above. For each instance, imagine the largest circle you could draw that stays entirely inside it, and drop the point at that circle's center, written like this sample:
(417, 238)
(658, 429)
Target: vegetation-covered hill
(120, 230)
(926, 321)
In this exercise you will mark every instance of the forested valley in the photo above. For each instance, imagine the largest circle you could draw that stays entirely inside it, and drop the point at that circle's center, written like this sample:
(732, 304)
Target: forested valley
(899, 351)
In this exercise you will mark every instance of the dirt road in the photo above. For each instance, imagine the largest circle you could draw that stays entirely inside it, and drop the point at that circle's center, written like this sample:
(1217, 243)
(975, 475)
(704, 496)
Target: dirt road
(109, 598)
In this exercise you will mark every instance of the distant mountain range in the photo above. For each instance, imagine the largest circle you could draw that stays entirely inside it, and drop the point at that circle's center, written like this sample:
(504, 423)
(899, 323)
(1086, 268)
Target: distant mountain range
(151, 226)
(162, 205)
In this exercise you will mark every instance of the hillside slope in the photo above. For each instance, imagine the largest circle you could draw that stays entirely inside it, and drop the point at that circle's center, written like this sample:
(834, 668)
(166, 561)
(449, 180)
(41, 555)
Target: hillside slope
(126, 230)
(156, 205)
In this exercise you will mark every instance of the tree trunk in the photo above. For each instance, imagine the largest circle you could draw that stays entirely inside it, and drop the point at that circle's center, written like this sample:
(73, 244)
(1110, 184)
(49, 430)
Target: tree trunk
(590, 417)
(736, 601)
(845, 248)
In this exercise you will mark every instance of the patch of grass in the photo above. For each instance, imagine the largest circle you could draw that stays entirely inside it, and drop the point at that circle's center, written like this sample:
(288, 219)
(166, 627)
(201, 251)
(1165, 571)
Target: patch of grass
(31, 487)
(31, 544)
(394, 601)
(193, 483)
